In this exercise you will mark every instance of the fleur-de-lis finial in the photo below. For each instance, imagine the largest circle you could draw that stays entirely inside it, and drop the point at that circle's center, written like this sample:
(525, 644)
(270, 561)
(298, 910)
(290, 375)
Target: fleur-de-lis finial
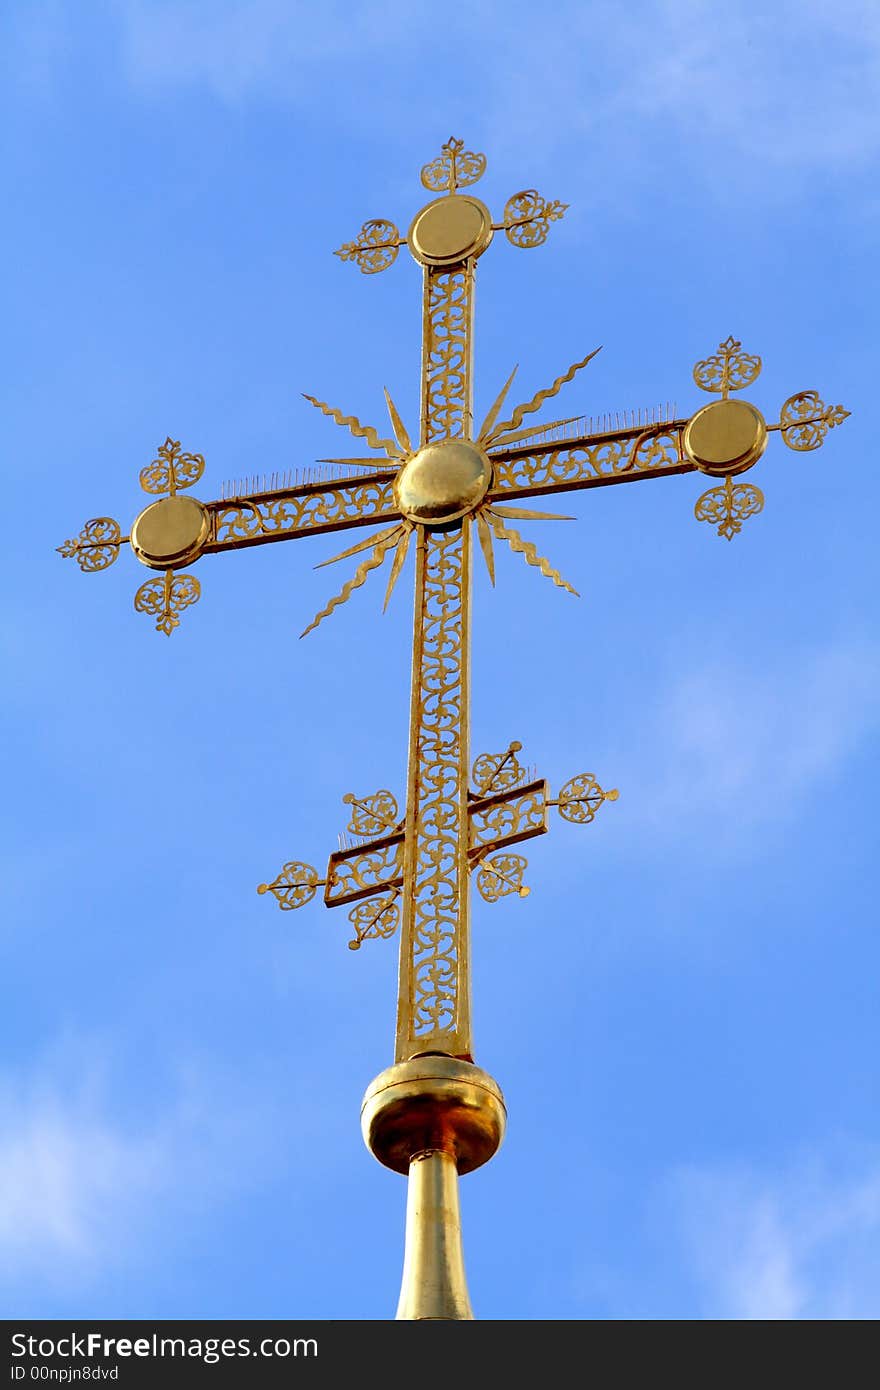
(454, 168)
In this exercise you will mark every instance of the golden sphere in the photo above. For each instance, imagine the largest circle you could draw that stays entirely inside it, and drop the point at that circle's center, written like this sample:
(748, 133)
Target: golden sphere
(725, 437)
(170, 533)
(433, 1102)
(443, 481)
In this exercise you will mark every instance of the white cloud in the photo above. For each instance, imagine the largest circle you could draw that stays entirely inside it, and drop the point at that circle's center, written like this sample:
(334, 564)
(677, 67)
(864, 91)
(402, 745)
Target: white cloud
(239, 47)
(70, 1177)
(795, 85)
(798, 1244)
(747, 746)
(64, 1177)
(88, 1182)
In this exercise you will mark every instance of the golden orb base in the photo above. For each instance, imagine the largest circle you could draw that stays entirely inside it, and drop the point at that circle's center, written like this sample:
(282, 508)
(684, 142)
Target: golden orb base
(433, 1118)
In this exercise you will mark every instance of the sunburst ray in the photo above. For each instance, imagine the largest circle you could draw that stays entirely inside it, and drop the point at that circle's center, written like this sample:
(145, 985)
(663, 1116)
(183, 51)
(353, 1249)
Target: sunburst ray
(397, 563)
(397, 424)
(486, 427)
(528, 550)
(361, 545)
(526, 514)
(352, 423)
(380, 551)
(533, 433)
(499, 431)
(485, 538)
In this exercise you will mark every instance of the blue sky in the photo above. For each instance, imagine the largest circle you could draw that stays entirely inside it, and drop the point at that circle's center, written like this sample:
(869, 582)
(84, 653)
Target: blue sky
(683, 1013)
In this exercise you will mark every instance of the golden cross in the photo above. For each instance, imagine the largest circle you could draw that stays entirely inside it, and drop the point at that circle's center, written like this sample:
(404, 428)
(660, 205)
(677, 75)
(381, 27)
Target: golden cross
(440, 493)
(504, 808)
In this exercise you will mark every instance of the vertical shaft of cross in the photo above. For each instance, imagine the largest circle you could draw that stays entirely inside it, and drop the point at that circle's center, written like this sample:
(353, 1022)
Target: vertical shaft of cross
(434, 981)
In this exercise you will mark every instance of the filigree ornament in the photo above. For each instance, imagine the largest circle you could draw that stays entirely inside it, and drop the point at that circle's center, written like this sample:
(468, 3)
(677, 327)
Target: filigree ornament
(497, 823)
(728, 506)
(495, 772)
(805, 420)
(97, 545)
(581, 797)
(437, 895)
(446, 366)
(570, 463)
(295, 886)
(354, 876)
(455, 167)
(371, 814)
(171, 470)
(374, 919)
(729, 369)
(164, 598)
(658, 447)
(501, 876)
(527, 218)
(375, 247)
(325, 508)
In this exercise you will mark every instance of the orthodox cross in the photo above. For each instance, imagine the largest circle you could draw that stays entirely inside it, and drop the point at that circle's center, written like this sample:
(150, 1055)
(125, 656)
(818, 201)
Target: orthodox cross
(452, 486)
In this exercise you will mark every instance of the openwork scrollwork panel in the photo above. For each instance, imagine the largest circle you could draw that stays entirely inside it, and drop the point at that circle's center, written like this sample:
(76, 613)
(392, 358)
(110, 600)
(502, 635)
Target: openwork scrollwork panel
(574, 464)
(440, 750)
(316, 509)
(357, 873)
(510, 817)
(446, 410)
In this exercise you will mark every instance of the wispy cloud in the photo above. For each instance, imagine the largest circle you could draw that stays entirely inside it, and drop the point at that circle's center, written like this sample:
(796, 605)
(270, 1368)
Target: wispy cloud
(85, 1180)
(748, 746)
(804, 1243)
(790, 86)
(67, 1176)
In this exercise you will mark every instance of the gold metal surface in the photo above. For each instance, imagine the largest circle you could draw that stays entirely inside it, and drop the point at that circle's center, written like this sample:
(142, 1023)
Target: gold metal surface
(165, 598)
(171, 469)
(503, 809)
(726, 437)
(375, 248)
(727, 507)
(296, 884)
(97, 545)
(435, 493)
(455, 167)
(434, 1286)
(527, 218)
(581, 797)
(437, 1103)
(171, 533)
(443, 481)
(433, 1118)
(450, 230)
(729, 369)
(804, 420)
